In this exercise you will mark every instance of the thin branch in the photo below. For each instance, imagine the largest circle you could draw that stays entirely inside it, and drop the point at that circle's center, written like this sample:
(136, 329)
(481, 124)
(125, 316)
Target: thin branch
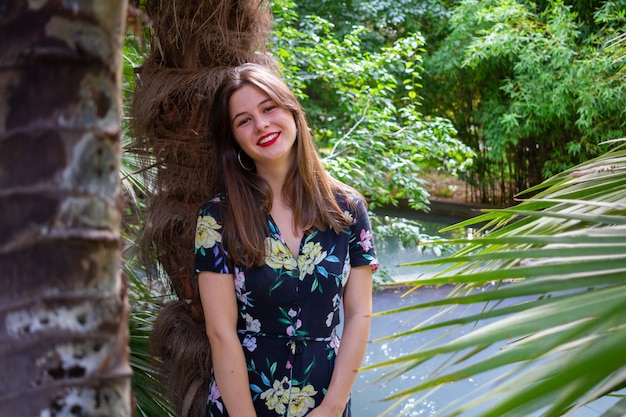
(349, 132)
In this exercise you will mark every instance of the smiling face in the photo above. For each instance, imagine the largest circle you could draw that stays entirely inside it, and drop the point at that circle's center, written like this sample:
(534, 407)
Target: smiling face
(263, 130)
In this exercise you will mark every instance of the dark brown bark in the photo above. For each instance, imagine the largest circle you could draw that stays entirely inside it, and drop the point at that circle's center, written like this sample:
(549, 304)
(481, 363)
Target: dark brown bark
(194, 43)
(63, 309)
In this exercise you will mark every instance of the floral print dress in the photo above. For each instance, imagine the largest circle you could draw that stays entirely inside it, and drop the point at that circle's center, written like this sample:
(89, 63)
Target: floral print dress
(288, 308)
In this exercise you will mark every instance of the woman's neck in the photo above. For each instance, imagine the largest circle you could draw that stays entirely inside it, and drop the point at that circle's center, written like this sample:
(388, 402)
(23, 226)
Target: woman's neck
(275, 175)
(275, 178)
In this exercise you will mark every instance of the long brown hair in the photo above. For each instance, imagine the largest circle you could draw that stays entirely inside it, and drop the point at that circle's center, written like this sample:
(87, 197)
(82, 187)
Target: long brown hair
(308, 190)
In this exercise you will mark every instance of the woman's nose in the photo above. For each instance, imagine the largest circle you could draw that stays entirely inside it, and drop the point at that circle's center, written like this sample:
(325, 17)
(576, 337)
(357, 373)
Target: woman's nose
(262, 124)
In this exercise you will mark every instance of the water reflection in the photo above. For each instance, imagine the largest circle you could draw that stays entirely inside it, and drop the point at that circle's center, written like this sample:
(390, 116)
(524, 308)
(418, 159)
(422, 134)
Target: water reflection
(392, 252)
(372, 387)
(370, 390)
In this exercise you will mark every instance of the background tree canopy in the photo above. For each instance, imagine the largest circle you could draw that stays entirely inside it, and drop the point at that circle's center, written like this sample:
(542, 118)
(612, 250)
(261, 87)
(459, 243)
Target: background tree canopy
(364, 105)
(531, 87)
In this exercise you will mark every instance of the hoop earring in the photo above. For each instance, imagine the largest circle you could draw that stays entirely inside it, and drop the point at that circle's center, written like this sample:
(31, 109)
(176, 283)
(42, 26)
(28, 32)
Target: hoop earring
(241, 163)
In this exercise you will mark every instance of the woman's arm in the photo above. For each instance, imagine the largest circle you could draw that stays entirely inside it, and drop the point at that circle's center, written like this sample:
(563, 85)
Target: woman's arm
(217, 292)
(357, 302)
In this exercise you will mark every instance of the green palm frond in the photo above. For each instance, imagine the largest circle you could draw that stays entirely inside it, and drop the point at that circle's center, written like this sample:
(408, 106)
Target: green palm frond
(558, 317)
(145, 294)
(145, 298)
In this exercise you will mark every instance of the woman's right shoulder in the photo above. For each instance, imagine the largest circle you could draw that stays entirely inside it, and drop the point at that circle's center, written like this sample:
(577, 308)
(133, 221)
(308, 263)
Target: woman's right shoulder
(214, 206)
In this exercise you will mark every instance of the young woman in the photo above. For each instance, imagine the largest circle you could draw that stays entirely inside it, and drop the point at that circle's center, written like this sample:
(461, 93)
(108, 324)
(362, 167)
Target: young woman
(277, 252)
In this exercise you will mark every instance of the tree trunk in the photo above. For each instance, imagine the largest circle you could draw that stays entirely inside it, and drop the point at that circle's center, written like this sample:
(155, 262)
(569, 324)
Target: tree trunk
(63, 308)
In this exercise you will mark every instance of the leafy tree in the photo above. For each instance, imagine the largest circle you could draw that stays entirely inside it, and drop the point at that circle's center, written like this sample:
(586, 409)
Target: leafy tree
(385, 20)
(63, 305)
(365, 107)
(530, 87)
(527, 85)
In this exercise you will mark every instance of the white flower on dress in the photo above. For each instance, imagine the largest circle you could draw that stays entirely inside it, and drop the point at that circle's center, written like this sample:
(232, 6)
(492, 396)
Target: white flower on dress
(329, 318)
(346, 271)
(252, 324)
(240, 280)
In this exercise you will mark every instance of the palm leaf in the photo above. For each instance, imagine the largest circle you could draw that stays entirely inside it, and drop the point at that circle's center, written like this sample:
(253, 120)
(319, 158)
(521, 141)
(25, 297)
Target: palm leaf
(557, 318)
(145, 299)
(145, 295)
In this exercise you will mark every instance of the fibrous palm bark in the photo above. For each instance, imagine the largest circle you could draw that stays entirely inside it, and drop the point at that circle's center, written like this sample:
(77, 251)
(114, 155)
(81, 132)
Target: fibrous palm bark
(63, 310)
(193, 44)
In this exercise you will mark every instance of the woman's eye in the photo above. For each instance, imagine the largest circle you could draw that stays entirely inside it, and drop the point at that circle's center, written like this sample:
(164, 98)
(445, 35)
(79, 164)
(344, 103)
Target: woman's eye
(269, 108)
(243, 121)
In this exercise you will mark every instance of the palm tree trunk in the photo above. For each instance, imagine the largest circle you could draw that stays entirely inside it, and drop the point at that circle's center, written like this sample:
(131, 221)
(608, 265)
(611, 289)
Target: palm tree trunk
(63, 308)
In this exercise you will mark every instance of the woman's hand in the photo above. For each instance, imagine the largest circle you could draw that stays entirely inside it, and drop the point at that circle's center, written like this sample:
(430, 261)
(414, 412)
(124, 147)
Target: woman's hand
(323, 411)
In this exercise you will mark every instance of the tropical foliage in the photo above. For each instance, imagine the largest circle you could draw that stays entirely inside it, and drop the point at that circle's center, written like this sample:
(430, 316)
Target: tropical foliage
(365, 106)
(145, 298)
(558, 310)
(145, 295)
(530, 86)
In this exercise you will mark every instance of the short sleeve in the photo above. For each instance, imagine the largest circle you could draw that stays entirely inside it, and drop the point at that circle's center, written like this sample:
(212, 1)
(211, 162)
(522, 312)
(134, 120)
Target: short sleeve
(209, 251)
(362, 251)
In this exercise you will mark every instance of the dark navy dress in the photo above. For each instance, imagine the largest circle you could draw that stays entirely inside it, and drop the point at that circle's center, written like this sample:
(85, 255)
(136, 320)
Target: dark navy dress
(288, 308)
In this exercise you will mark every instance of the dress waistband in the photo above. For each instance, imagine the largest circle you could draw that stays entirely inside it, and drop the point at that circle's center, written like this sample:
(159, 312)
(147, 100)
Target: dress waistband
(294, 338)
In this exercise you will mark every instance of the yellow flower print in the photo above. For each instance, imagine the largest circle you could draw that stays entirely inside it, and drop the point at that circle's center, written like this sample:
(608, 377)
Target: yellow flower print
(278, 256)
(312, 254)
(301, 401)
(207, 234)
(277, 397)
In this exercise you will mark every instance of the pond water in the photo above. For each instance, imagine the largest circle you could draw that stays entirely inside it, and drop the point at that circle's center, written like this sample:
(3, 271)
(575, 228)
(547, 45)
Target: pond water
(370, 390)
